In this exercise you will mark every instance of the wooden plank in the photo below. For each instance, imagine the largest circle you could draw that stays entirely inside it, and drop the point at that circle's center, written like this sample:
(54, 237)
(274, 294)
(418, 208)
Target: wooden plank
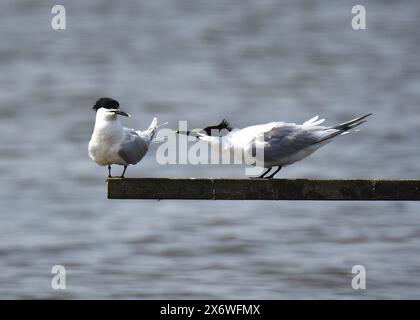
(263, 189)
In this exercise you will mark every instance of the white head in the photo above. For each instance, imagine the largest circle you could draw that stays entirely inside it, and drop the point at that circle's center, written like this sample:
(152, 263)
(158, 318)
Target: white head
(108, 109)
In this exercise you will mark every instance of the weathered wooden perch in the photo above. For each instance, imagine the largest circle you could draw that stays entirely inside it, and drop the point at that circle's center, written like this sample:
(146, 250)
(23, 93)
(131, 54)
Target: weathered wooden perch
(261, 189)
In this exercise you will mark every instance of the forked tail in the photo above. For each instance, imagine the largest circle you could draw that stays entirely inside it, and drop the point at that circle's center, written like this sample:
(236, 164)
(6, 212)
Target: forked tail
(152, 128)
(346, 126)
(343, 128)
(151, 131)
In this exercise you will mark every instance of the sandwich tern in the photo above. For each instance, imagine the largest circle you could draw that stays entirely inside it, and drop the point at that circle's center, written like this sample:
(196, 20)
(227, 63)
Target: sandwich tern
(281, 143)
(111, 143)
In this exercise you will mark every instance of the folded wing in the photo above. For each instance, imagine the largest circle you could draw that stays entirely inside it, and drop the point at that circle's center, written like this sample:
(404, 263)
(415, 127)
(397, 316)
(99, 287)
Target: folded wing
(133, 148)
(288, 139)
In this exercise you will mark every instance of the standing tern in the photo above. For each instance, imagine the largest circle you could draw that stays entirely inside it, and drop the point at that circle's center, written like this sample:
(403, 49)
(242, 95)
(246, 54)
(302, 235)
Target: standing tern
(111, 143)
(281, 143)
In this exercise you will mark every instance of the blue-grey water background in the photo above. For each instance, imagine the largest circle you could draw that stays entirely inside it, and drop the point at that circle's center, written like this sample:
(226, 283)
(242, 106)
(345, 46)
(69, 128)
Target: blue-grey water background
(249, 61)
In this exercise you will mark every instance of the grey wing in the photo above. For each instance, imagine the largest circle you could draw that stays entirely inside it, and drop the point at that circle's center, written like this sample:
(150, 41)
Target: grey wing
(287, 139)
(133, 149)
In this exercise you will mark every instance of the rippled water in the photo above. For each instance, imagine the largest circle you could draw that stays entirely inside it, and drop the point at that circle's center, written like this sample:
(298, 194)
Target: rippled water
(248, 61)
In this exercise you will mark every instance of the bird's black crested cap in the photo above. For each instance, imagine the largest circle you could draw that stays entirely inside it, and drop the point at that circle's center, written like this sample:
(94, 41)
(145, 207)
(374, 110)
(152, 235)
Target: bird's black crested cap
(225, 125)
(106, 103)
(222, 125)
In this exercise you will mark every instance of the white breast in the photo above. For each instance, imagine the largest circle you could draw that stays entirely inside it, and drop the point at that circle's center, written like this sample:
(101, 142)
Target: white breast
(105, 142)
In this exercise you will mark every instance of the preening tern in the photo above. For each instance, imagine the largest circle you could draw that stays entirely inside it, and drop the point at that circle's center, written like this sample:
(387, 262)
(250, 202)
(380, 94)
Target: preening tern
(280, 143)
(111, 143)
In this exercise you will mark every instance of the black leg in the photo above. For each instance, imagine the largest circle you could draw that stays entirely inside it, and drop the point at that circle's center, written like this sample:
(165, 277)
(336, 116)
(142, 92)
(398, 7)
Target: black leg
(272, 175)
(109, 171)
(262, 176)
(122, 176)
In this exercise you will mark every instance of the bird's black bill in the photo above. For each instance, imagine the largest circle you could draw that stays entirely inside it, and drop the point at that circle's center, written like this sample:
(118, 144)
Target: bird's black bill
(121, 113)
(187, 133)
